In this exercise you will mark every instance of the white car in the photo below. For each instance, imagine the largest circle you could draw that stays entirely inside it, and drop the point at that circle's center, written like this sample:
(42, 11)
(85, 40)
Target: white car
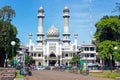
(40, 68)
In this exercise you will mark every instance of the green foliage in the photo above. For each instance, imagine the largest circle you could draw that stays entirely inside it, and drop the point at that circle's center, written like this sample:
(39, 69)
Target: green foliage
(106, 74)
(108, 28)
(117, 53)
(10, 62)
(107, 37)
(8, 33)
(75, 60)
(106, 49)
(28, 60)
(19, 76)
(7, 13)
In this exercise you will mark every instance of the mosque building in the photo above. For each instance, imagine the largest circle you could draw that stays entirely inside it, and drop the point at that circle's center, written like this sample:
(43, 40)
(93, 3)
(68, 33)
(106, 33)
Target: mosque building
(53, 51)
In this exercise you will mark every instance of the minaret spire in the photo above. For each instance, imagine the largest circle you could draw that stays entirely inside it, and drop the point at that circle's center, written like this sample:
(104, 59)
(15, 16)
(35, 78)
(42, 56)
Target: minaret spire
(66, 34)
(40, 34)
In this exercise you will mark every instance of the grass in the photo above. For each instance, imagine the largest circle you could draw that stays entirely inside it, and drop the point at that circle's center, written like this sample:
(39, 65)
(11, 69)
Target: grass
(18, 75)
(106, 74)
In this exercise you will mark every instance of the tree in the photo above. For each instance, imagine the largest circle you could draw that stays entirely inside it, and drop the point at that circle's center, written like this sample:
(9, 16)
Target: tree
(107, 36)
(8, 33)
(108, 28)
(117, 8)
(28, 60)
(106, 51)
(75, 60)
(117, 54)
(7, 13)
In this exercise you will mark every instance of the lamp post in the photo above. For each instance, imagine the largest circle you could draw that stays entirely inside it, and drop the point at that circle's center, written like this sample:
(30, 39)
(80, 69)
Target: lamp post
(24, 52)
(115, 48)
(13, 44)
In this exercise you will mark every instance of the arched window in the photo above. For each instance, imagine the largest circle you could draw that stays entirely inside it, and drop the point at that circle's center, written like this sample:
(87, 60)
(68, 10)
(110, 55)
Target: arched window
(39, 63)
(31, 54)
(73, 53)
(66, 55)
(31, 48)
(91, 48)
(87, 55)
(39, 55)
(52, 55)
(34, 54)
(86, 49)
(66, 63)
(74, 47)
(92, 55)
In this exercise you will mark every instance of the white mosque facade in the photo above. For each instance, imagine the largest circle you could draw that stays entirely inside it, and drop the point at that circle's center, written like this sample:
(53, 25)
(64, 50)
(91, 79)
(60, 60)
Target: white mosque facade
(53, 51)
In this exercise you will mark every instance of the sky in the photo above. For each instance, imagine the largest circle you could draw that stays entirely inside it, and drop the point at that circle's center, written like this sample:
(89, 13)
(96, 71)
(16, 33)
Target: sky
(26, 20)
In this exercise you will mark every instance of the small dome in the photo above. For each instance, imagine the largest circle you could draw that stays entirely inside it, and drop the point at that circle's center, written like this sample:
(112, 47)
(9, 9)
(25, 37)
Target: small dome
(66, 9)
(52, 32)
(41, 9)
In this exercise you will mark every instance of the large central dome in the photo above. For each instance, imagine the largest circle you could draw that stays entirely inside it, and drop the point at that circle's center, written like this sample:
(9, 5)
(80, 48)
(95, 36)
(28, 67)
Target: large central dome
(52, 32)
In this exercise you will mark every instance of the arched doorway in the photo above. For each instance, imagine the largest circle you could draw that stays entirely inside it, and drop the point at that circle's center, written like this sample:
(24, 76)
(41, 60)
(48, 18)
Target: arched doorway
(52, 62)
(52, 59)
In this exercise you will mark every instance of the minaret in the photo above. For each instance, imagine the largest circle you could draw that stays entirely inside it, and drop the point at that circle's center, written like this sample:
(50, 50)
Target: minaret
(40, 34)
(76, 36)
(66, 34)
(30, 41)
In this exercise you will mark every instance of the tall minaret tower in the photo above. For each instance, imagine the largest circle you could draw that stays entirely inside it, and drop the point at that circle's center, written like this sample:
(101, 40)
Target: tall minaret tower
(40, 34)
(66, 34)
(76, 36)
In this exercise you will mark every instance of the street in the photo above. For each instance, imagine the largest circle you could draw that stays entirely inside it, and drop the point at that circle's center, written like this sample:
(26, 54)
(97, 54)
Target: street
(58, 75)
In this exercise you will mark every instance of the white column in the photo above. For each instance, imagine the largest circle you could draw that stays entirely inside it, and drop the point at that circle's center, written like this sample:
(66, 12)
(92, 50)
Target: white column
(40, 25)
(66, 24)
(76, 36)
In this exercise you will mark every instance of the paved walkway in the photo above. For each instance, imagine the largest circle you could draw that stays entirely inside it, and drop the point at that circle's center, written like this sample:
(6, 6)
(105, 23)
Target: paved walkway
(57, 75)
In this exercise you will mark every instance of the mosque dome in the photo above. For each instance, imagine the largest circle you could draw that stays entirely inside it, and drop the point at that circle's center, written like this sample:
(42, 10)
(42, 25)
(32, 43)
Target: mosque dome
(52, 32)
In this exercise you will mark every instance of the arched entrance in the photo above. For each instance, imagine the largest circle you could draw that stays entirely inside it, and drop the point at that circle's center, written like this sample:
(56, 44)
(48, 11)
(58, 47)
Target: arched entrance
(52, 59)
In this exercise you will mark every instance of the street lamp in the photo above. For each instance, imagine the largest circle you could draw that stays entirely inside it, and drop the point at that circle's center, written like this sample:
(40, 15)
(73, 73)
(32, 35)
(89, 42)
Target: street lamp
(13, 44)
(115, 48)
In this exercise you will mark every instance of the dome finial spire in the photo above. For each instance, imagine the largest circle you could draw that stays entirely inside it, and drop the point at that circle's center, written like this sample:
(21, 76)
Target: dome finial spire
(41, 9)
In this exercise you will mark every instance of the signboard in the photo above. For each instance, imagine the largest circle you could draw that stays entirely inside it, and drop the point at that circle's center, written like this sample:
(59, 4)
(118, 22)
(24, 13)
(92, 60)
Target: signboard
(15, 62)
(82, 62)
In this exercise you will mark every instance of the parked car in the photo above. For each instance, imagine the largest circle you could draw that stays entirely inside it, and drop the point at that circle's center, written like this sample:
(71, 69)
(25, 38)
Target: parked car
(47, 67)
(40, 68)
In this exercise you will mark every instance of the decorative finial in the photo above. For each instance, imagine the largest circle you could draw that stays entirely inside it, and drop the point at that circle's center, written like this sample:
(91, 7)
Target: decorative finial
(66, 9)
(41, 9)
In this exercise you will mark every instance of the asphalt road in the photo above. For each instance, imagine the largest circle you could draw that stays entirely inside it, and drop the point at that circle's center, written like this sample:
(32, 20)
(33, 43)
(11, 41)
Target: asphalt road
(58, 75)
